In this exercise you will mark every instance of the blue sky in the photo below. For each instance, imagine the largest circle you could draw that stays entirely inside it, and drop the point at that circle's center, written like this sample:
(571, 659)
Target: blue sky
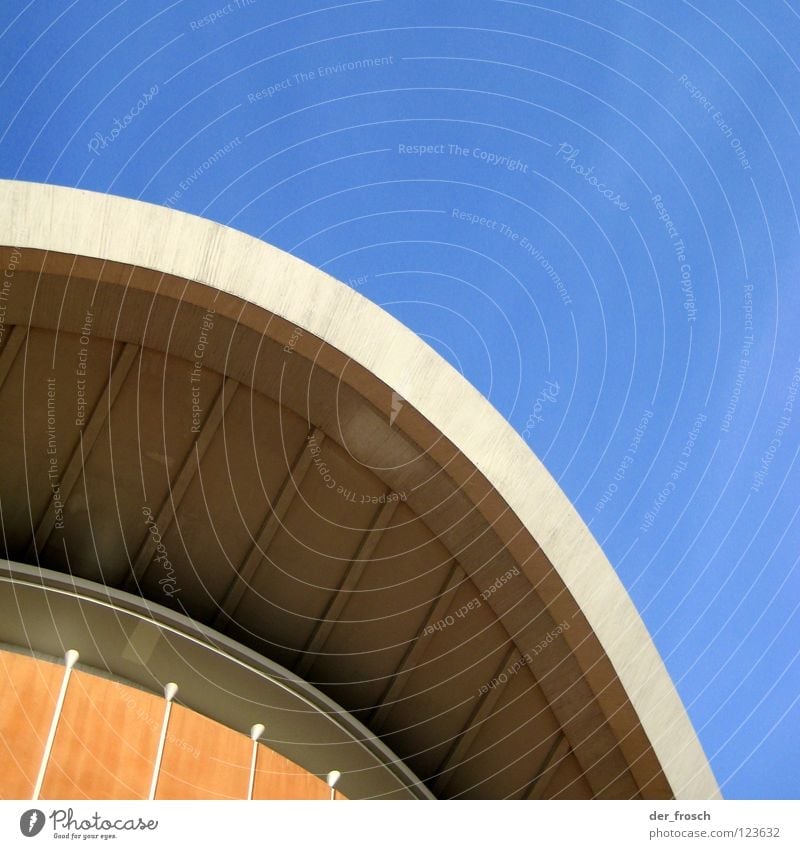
(598, 197)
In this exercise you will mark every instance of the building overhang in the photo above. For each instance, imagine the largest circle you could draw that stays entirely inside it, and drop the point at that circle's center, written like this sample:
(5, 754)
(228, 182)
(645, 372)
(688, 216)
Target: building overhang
(327, 491)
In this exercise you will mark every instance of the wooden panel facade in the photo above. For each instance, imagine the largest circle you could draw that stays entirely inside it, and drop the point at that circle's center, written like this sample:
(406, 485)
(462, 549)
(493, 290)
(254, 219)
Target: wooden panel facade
(107, 739)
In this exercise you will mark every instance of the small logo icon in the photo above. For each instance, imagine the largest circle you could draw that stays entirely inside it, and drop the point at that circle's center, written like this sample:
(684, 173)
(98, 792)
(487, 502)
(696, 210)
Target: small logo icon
(31, 822)
(397, 405)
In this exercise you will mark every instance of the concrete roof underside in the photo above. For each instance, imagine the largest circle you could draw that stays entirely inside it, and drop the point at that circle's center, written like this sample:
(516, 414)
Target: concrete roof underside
(328, 492)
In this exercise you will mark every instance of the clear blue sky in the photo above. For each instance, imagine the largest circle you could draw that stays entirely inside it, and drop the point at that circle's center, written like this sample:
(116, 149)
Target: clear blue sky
(598, 196)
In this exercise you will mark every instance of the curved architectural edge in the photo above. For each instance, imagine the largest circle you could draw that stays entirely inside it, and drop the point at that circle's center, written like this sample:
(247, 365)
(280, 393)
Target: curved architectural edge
(70, 221)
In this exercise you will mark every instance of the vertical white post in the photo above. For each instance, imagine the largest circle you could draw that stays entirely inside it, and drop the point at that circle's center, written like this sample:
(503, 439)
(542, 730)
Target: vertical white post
(255, 732)
(70, 659)
(169, 694)
(333, 776)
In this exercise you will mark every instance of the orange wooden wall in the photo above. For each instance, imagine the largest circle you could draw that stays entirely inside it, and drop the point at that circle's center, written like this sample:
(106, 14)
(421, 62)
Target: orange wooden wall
(28, 693)
(107, 738)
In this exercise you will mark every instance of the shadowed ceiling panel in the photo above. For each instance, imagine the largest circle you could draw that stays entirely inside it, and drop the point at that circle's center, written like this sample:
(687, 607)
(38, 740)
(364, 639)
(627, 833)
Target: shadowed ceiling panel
(311, 551)
(442, 691)
(388, 608)
(44, 427)
(137, 456)
(568, 781)
(229, 498)
(510, 742)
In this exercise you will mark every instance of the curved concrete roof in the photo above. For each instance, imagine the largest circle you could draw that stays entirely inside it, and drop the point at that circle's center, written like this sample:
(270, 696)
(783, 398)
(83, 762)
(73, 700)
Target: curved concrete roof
(437, 471)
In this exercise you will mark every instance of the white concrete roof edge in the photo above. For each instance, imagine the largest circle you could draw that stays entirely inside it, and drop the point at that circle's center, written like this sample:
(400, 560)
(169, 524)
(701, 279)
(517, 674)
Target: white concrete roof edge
(75, 221)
